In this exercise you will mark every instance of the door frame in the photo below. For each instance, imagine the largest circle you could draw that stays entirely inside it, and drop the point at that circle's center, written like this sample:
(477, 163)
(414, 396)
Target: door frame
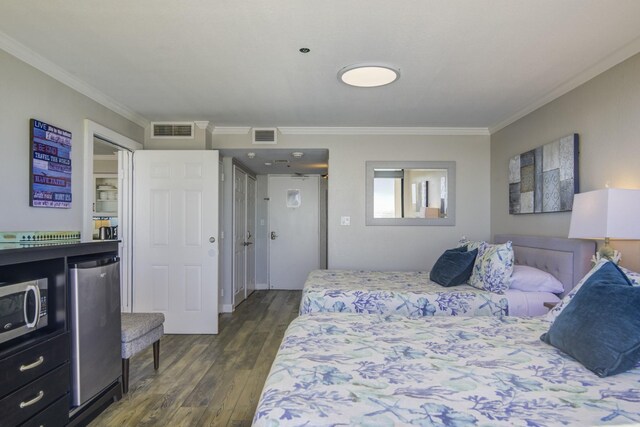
(248, 173)
(91, 130)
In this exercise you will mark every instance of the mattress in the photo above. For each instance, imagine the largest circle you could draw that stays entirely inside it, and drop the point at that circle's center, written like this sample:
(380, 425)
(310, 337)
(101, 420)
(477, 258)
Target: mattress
(384, 370)
(412, 294)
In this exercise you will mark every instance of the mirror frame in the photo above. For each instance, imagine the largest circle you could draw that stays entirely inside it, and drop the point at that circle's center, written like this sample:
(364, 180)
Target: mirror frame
(451, 191)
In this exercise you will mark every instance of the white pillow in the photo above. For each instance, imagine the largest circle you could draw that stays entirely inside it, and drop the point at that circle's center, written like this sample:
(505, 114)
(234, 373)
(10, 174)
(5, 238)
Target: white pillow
(531, 279)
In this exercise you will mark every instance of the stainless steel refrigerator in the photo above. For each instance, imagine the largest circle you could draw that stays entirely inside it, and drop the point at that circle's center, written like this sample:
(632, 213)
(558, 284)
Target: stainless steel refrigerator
(95, 327)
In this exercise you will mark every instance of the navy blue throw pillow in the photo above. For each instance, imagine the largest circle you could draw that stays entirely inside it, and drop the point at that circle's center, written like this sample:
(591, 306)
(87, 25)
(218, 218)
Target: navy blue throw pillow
(453, 267)
(600, 328)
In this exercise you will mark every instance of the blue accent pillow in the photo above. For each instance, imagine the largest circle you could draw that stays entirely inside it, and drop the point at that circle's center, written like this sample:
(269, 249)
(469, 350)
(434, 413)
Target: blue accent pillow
(453, 267)
(600, 328)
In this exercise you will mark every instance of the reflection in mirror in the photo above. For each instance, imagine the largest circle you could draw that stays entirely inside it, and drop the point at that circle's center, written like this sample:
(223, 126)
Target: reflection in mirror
(410, 193)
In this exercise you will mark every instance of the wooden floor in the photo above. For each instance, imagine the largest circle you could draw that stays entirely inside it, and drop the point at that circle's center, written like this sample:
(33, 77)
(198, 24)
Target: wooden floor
(208, 380)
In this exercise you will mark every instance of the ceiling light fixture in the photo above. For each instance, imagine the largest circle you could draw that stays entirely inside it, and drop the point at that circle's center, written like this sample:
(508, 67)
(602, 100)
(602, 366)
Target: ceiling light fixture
(267, 163)
(297, 154)
(368, 75)
(251, 154)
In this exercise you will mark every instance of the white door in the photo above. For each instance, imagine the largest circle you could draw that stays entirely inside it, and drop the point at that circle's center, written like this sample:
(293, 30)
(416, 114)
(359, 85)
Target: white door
(250, 278)
(294, 248)
(175, 269)
(124, 227)
(239, 234)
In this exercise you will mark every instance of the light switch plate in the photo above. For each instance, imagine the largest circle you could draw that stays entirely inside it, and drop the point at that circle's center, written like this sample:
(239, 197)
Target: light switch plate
(345, 220)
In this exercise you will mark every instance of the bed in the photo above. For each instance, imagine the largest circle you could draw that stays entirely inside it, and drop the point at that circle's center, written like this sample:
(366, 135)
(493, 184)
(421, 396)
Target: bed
(413, 294)
(383, 370)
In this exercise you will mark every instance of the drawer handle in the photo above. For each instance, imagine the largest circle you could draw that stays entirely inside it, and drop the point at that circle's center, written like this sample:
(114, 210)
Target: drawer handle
(32, 365)
(32, 401)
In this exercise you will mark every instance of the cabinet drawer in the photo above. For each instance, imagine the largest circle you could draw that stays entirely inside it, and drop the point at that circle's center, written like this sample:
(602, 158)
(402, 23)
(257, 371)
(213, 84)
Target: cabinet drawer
(26, 402)
(56, 415)
(26, 366)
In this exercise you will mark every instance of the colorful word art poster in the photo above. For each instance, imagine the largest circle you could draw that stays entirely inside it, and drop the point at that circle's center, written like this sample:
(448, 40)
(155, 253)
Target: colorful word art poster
(50, 166)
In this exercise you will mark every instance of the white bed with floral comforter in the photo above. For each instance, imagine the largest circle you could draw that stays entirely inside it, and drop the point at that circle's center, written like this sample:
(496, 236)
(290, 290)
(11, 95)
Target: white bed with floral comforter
(410, 294)
(372, 370)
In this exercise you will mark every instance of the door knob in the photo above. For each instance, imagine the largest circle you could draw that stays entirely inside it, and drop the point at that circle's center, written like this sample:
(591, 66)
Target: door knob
(212, 239)
(274, 236)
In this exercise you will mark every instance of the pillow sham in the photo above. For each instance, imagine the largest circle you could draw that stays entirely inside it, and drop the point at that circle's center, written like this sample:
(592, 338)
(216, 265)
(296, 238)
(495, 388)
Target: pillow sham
(555, 312)
(633, 277)
(453, 267)
(493, 267)
(470, 244)
(601, 326)
(530, 279)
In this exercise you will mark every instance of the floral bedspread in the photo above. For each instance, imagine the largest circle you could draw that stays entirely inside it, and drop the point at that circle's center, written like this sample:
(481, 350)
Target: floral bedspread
(373, 370)
(411, 294)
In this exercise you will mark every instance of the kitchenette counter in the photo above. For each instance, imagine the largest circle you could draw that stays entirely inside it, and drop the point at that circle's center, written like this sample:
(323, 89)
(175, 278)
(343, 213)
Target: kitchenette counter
(14, 253)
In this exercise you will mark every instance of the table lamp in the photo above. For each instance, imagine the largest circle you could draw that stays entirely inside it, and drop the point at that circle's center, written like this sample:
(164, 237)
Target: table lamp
(611, 213)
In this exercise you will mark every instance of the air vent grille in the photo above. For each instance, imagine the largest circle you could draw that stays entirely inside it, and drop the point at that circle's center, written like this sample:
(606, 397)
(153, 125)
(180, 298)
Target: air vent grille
(264, 136)
(281, 162)
(172, 130)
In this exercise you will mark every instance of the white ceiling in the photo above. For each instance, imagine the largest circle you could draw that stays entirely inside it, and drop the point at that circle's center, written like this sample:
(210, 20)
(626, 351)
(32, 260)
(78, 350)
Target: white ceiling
(312, 162)
(463, 63)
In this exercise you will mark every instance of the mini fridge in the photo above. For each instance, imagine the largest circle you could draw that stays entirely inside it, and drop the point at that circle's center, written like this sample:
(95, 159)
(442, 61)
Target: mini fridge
(95, 327)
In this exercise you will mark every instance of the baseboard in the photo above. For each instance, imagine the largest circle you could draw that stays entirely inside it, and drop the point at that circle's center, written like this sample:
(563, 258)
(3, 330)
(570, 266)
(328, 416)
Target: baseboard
(262, 286)
(227, 308)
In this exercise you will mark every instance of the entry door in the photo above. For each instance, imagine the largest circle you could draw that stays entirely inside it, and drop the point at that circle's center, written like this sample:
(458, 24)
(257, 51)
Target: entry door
(239, 234)
(250, 279)
(294, 248)
(175, 245)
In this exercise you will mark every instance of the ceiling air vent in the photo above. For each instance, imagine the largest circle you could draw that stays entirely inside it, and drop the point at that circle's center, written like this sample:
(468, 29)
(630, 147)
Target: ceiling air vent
(264, 136)
(173, 130)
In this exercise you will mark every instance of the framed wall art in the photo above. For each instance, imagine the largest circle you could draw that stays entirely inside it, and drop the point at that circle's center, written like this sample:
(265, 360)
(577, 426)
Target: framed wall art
(50, 168)
(546, 178)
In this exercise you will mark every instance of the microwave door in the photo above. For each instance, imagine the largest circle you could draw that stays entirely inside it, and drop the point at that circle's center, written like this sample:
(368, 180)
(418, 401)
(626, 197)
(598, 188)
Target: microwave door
(11, 311)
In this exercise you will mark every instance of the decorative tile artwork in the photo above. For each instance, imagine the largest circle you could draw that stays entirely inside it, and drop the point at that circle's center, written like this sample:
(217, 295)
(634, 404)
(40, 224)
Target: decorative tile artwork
(545, 178)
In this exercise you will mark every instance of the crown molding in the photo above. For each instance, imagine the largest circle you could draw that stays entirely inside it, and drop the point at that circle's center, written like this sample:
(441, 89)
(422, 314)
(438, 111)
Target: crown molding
(384, 131)
(42, 64)
(231, 130)
(610, 61)
(202, 124)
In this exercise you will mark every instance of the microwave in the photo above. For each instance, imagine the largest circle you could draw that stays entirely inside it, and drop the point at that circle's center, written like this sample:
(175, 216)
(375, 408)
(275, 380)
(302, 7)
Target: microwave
(23, 308)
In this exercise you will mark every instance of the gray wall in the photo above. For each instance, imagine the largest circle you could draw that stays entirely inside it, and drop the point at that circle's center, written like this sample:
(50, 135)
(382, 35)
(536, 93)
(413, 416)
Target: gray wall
(384, 247)
(605, 112)
(27, 93)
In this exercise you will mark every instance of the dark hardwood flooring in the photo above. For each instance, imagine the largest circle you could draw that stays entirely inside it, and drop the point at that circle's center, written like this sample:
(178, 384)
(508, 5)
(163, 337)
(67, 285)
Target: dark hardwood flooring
(208, 380)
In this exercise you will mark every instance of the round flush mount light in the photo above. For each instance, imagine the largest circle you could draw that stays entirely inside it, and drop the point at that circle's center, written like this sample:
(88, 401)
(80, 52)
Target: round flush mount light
(297, 154)
(251, 154)
(368, 75)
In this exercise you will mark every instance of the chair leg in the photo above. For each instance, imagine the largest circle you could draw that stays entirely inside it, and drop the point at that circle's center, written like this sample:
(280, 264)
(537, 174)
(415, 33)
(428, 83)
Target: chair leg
(125, 376)
(156, 355)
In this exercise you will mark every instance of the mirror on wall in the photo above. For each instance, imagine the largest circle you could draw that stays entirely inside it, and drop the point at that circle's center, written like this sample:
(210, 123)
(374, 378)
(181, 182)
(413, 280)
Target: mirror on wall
(410, 193)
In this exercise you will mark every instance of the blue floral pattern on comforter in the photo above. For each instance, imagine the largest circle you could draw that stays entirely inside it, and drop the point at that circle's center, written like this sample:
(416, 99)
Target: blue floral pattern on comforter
(410, 294)
(373, 370)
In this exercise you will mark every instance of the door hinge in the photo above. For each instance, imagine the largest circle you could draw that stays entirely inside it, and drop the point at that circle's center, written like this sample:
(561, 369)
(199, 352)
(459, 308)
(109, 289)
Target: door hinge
(222, 292)
(222, 177)
(222, 234)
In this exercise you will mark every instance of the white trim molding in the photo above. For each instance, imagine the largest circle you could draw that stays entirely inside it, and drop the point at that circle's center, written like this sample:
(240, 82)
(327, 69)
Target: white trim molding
(610, 61)
(202, 124)
(384, 131)
(231, 130)
(226, 308)
(262, 286)
(39, 62)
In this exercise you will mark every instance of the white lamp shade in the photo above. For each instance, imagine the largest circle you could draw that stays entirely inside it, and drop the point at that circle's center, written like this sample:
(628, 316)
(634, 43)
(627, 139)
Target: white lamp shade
(612, 213)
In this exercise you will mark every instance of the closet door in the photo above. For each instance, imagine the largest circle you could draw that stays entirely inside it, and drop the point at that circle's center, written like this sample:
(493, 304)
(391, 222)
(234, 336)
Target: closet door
(239, 234)
(250, 235)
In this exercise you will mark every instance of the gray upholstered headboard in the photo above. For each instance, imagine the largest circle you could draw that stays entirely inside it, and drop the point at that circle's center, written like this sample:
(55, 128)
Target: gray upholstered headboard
(567, 259)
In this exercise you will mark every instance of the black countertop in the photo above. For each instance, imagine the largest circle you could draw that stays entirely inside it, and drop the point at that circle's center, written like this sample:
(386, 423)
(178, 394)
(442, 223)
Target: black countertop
(11, 253)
